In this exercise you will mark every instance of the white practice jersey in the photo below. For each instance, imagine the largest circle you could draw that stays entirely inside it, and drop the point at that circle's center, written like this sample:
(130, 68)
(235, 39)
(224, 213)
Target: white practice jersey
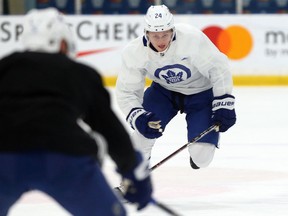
(191, 64)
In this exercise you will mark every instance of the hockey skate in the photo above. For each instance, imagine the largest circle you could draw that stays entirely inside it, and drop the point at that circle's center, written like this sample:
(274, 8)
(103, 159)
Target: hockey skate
(193, 165)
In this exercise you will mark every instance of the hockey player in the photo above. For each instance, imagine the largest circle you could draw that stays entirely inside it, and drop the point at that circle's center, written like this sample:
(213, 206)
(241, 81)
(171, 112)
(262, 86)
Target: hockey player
(190, 75)
(55, 118)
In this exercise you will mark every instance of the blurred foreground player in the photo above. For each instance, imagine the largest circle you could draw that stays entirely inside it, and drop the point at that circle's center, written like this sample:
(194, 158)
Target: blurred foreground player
(190, 75)
(55, 120)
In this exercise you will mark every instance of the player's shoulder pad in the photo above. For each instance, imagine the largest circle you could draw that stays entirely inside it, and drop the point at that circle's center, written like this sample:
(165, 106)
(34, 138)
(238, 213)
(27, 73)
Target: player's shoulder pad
(134, 52)
(186, 30)
(133, 45)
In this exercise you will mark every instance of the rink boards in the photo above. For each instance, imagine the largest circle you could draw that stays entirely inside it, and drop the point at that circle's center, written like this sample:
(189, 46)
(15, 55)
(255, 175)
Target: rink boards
(256, 45)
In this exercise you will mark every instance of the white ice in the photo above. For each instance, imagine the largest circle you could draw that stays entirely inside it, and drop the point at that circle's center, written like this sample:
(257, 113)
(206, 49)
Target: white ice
(248, 176)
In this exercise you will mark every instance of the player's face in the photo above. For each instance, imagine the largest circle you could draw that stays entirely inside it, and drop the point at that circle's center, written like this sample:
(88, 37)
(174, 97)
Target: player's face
(160, 40)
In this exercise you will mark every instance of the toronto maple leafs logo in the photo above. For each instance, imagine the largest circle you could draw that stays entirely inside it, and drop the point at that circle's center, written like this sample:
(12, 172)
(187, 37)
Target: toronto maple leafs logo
(172, 77)
(173, 73)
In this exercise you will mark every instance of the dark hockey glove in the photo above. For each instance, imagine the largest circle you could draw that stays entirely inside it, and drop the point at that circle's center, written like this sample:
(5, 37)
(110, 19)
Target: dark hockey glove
(136, 183)
(145, 122)
(223, 112)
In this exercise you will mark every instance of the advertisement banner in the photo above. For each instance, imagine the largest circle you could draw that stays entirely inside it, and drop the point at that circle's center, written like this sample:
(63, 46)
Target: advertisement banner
(256, 45)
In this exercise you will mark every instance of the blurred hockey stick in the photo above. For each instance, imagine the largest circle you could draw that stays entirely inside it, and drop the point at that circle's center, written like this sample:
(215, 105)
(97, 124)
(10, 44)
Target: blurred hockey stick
(195, 139)
(121, 190)
(164, 208)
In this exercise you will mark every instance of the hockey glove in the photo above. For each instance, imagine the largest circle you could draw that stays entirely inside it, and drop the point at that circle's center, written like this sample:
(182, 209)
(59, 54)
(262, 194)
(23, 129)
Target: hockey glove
(223, 112)
(145, 122)
(137, 186)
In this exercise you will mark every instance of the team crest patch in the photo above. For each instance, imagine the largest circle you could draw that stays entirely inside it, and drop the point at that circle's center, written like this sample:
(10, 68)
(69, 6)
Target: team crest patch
(173, 73)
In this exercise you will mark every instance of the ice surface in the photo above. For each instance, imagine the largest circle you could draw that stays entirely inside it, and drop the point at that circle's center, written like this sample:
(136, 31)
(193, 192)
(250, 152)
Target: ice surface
(248, 176)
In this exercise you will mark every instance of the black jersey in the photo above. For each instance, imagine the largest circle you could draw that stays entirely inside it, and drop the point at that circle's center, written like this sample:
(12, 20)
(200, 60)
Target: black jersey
(42, 96)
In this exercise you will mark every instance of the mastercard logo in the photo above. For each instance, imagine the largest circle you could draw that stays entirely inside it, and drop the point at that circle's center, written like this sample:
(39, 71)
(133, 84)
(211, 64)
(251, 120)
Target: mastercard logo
(234, 41)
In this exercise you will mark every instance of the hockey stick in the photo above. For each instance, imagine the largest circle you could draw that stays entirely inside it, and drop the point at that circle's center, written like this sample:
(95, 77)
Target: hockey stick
(120, 192)
(120, 188)
(195, 139)
(164, 208)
